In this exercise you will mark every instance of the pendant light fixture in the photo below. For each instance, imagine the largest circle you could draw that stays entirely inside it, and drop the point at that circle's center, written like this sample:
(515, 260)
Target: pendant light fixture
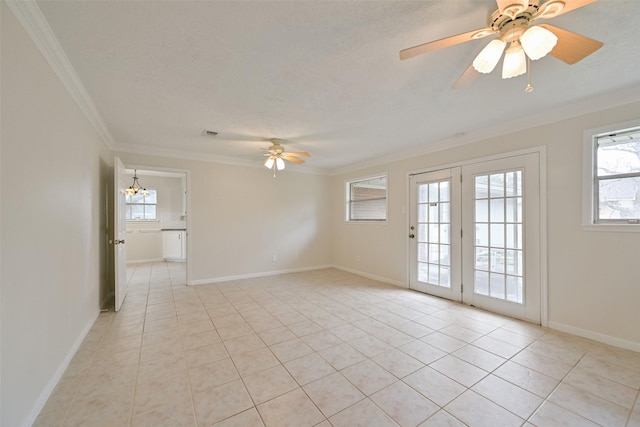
(136, 188)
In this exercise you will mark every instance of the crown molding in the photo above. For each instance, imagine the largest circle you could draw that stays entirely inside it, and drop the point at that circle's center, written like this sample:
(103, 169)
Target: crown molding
(35, 24)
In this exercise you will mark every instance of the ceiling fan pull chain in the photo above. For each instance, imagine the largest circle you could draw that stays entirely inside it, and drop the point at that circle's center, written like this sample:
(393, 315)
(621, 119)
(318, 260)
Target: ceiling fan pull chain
(529, 88)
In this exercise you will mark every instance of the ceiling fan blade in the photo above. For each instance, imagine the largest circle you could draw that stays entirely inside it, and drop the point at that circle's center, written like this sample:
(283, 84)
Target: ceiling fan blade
(468, 77)
(295, 160)
(570, 5)
(572, 47)
(297, 153)
(446, 42)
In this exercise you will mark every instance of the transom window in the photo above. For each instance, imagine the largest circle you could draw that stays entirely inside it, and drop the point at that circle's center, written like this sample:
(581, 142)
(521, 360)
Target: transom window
(367, 199)
(616, 181)
(142, 207)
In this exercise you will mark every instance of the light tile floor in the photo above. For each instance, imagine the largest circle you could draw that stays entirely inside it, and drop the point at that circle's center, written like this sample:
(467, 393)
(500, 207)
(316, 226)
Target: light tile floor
(330, 348)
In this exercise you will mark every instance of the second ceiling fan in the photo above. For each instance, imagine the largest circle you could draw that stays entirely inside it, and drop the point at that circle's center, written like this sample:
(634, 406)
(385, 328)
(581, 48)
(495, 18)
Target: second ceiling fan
(518, 39)
(277, 155)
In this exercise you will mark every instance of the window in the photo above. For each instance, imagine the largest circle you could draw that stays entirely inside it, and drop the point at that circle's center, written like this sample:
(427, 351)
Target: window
(613, 192)
(142, 207)
(367, 199)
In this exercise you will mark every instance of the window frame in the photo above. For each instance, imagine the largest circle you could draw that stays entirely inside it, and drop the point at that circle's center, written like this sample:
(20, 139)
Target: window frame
(143, 204)
(348, 200)
(590, 181)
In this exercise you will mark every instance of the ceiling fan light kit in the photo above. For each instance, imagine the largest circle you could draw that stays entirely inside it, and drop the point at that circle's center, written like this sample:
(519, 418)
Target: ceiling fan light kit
(513, 23)
(515, 62)
(537, 42)
(489, 57)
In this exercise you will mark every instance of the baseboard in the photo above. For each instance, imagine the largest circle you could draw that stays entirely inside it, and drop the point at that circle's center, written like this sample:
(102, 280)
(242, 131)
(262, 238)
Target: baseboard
(372, 276)
(596, 336)
(254, 275)
(46, 393)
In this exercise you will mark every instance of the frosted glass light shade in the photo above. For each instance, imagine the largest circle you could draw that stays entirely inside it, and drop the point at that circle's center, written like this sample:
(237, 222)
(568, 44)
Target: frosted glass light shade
(269, 163)
(488, 57)
(279, 163)
(537, 42)
(515, 62)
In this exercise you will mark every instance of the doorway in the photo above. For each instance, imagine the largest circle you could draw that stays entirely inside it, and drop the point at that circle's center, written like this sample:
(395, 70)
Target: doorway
(475, 235)
(155, 223)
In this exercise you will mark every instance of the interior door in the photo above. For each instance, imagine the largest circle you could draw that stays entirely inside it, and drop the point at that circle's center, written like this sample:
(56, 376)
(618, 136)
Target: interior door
(434, 232)
(475, 235)
(501, 236)
(119, 232)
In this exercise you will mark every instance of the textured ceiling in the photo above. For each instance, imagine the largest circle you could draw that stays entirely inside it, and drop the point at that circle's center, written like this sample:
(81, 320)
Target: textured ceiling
(323, 75)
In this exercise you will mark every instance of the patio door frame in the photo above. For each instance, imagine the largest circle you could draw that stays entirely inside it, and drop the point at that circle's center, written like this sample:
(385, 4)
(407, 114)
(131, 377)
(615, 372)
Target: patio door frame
(542, 210)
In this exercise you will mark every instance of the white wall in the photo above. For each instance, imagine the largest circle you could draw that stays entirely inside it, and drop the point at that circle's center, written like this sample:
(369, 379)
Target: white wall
(593, 277)
(241, 216)
(144, 238)
(54, 175)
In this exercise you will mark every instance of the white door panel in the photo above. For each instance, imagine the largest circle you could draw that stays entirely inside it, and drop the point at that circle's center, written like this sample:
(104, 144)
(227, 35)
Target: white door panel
(434, 233)
(119, 232)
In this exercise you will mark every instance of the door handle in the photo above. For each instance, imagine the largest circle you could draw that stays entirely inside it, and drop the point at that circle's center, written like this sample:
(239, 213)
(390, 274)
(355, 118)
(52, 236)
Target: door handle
(411, 236)
(118, 242)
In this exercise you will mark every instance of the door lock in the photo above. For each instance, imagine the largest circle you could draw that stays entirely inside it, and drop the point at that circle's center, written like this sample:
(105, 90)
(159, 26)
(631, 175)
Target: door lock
(411, 236)
(118, 242)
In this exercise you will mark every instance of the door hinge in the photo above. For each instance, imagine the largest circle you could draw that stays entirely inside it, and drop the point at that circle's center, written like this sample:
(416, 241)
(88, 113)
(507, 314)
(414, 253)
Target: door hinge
(461, 233)
(461, 288)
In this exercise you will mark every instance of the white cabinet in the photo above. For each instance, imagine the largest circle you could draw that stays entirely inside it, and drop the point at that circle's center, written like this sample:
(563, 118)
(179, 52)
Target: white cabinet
(174, 245)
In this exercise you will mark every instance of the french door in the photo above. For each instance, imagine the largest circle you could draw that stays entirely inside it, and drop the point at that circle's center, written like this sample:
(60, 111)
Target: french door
(475, 235)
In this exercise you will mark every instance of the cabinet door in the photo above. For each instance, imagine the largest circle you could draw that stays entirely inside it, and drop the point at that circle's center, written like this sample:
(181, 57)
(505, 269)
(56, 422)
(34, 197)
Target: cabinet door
(172, 244)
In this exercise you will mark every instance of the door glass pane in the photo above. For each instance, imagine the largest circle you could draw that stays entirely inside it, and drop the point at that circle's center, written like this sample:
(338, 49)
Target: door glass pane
(481, 282)
(422, 212)
(496, 210)
(444, 233)
(496, 285)
(433, 230)
(422, 232)
(482, 234)
(444, 255)
(445, 191)
(434, 254)
(481, 186)
(514, 289)
(482, 210)
(498, 236)
(423, 272)
(433, 192)
(433, 212)
(422, 252)
(482, 259)
(434, 235)
(496, 185)
(513, 209)
(497, 260)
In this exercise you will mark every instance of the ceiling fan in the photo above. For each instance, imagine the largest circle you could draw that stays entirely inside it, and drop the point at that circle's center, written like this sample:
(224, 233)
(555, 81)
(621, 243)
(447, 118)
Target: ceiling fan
(513, 23)
(277, 155)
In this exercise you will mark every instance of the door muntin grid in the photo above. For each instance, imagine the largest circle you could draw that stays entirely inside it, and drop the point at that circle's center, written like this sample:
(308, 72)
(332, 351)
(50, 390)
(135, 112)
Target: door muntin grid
(498, 238)
(433, 233)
